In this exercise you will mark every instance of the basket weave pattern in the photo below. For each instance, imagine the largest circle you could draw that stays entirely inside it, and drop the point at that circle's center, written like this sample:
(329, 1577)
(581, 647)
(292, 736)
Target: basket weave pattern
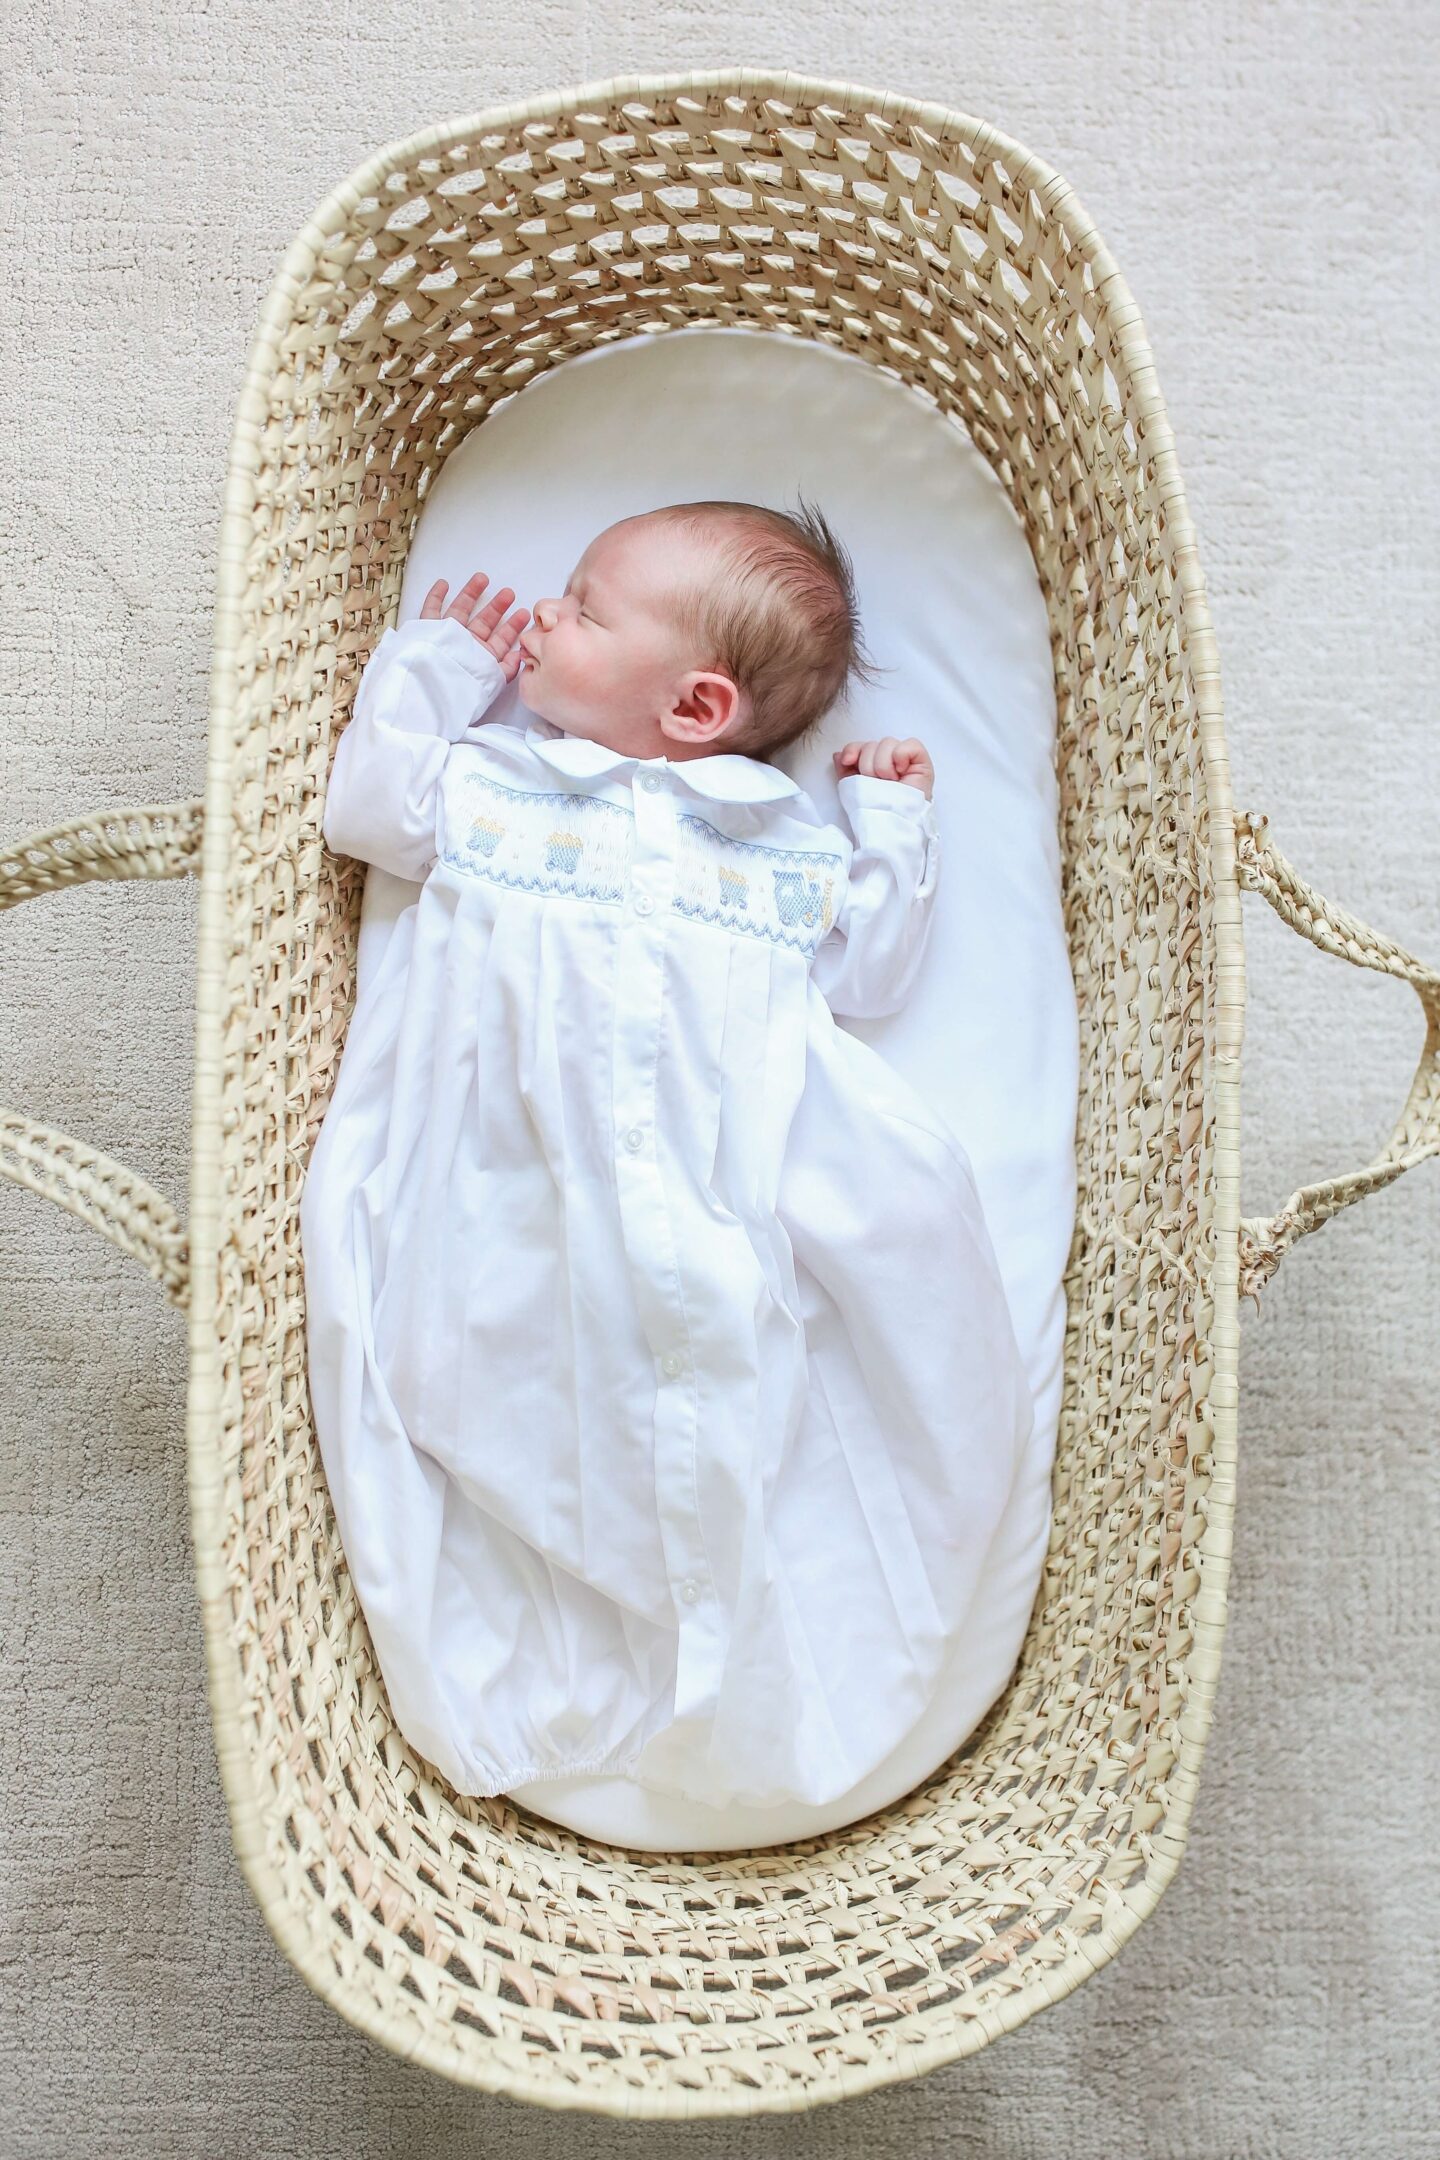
(458, 272)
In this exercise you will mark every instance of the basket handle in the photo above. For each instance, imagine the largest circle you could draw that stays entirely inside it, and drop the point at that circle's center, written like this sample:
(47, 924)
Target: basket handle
(1263, 869)
(157, 840)
(163, 840)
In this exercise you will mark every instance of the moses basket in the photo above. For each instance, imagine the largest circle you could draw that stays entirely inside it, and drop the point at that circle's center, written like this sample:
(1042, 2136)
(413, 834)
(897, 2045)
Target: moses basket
(444, 275)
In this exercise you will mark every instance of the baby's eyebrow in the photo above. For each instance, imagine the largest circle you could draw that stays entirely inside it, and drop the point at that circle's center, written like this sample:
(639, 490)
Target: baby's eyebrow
(584, 581)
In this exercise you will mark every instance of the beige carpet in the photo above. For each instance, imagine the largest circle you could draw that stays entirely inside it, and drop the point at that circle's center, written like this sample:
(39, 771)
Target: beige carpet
(1266, 177)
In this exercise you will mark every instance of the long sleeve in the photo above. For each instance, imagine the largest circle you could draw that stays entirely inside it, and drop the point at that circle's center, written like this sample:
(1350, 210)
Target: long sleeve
(422, 687)
(867, 964)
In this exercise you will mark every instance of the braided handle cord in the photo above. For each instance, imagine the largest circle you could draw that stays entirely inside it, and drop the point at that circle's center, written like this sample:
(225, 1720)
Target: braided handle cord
(1263, 869)
(157, 840)
(163, 840)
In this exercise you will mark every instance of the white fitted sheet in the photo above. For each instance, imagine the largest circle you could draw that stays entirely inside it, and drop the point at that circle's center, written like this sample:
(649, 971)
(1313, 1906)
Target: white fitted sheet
(951, 606)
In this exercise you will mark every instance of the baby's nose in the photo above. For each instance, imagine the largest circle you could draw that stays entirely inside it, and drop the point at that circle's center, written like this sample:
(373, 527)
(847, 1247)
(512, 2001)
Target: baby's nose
(545, 611)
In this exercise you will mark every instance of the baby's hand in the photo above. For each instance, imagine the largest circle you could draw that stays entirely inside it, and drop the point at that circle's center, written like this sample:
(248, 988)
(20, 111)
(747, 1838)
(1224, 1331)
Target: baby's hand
(888, 759)
(499, 638)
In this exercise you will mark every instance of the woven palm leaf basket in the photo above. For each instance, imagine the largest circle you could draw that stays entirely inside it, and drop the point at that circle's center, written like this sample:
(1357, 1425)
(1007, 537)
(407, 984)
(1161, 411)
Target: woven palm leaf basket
(443, 276)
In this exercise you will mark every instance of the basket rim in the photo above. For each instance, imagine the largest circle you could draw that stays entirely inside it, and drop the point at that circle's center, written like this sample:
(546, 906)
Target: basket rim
(482, 2070)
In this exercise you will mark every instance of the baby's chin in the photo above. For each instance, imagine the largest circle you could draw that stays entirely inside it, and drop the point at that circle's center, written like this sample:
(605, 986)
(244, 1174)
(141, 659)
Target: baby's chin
(525, 691)
(533, 699)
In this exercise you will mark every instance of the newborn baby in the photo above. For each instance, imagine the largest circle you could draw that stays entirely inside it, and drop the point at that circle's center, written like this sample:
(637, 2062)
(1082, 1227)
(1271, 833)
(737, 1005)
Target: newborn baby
(661, 1368)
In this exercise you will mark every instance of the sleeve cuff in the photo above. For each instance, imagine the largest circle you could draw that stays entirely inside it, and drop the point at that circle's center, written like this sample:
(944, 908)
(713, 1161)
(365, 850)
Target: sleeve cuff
(458, 644)
(865, 791)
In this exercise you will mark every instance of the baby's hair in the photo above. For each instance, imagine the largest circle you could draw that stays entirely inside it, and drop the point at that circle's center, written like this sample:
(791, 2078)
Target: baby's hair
(780, 619)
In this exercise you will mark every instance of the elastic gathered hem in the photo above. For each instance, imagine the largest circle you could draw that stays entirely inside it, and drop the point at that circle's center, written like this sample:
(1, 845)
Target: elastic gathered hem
(611, 1765)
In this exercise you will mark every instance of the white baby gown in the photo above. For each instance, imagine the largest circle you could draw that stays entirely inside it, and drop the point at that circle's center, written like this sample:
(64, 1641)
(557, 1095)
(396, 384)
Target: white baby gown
(661, 1367)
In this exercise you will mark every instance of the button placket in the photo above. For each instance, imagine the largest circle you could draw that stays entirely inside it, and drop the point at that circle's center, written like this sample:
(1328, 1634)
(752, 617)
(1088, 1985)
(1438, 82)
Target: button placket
(647, 1228)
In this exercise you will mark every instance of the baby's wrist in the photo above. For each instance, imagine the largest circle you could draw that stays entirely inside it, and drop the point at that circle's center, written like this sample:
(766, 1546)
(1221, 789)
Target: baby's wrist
(460, 644)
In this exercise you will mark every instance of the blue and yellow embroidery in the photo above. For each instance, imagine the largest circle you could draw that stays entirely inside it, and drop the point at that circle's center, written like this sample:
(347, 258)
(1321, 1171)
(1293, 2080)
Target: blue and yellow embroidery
(800, 898)
(563, 851)
(784, 894)
(734, 887)
(544, 840)
(535, 838)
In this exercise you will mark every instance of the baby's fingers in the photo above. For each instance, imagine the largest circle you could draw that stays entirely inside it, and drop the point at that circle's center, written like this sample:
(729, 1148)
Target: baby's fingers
(484, 621)
(859, 755)
(503, 636)
(502, 642)
(887, 759)
(460, 607)
(468, 598)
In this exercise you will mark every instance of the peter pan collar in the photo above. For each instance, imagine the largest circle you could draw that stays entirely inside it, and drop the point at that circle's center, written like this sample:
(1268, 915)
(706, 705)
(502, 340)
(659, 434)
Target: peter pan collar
(725, 776)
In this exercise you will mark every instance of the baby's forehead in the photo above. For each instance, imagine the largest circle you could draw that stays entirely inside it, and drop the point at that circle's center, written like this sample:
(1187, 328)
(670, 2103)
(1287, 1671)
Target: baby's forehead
(641, 559)
(635, 550)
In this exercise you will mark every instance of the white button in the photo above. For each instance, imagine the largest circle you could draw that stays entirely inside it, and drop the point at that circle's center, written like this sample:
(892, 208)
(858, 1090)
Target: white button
(671, 1363)
(634, 1138)
(643, 903)
(690, 1590)
(650, 780)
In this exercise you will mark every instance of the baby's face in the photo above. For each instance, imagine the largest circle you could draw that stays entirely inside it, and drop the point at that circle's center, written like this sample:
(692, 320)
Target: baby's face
(606, 661)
